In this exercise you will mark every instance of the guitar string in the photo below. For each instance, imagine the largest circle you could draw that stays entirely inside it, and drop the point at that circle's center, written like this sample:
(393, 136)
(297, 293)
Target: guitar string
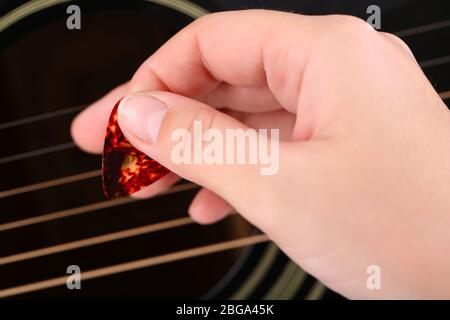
(434, 62)
(139, 264)
(40, 117)
(422, 29)
(113, 236)
(37, 152)
(89, 174)
(445, 95)
(50, 183)
(108, 237)
(87, 208)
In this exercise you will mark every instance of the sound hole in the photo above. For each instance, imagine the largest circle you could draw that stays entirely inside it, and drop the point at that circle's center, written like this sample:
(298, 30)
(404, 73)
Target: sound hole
(47, 68)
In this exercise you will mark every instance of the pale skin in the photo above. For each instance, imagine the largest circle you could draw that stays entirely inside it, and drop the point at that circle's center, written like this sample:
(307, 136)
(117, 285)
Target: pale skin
(364, 172)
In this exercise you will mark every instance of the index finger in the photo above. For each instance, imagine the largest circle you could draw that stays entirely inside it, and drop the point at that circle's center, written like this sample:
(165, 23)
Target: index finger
(241, 48)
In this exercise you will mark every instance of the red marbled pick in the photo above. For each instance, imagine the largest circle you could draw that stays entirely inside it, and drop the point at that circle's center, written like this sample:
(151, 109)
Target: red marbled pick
(125, 168)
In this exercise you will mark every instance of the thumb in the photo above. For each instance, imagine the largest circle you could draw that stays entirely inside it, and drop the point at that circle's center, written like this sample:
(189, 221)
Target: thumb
(190, 139)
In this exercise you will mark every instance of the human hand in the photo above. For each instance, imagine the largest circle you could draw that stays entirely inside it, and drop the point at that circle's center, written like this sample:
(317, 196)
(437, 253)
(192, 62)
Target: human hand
(364, 168)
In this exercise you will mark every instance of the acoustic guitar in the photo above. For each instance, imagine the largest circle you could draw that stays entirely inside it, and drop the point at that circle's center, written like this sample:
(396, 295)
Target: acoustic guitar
(53, 213)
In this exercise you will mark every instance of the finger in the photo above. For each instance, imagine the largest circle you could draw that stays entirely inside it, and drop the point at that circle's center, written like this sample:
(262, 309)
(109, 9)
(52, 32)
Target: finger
(208, 207)
(248, 99)
(159, 186)
(255, 50)
(279, 119)
(89, 127)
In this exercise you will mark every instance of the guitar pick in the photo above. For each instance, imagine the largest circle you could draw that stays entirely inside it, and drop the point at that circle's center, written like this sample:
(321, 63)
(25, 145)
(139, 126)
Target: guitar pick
(125, 168)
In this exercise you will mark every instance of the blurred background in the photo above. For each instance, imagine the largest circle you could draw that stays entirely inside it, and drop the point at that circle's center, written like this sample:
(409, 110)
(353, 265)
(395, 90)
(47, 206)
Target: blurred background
(53, 213)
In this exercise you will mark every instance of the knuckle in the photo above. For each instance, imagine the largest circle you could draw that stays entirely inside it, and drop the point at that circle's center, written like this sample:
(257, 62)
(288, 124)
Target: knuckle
(398, 41)
(202, 20)
(352, 28)
(393, 38)
(352, 23)
(350, 35)
(205, 20)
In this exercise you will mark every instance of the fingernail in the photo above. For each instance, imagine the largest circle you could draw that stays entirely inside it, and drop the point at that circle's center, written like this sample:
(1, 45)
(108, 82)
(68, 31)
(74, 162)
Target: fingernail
(141, 115)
